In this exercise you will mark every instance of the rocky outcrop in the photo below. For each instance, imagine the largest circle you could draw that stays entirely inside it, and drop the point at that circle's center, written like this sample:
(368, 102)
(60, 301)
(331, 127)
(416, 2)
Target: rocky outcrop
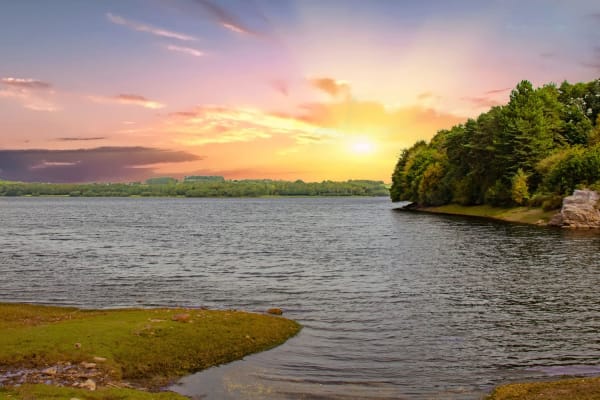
(579, 211)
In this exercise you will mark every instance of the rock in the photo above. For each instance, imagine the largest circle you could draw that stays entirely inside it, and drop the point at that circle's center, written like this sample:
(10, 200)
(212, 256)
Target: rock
(99, 359)
(89, 384)
(181, 317)
(50, 371)
(556, 220)
(275, 311)
(88, 365)
(579, 211)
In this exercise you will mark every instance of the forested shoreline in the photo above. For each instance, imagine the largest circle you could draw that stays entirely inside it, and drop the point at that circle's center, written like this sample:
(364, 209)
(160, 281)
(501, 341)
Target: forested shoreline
(532, 151)
(168, 187)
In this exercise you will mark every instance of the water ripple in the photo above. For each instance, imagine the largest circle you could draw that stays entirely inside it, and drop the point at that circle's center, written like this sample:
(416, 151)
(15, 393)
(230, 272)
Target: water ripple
(394, 305)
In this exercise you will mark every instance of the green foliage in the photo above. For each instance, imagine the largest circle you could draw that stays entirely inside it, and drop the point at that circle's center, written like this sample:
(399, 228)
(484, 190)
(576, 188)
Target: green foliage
(199, 188)
(520, 190)
(544, 141)
(47, 392)
(578, 166)
(161, 181)
(198, 178)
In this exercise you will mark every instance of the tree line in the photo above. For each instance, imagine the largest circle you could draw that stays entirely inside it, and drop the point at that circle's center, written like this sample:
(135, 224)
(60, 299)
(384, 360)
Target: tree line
(196, 187)
(532, 151)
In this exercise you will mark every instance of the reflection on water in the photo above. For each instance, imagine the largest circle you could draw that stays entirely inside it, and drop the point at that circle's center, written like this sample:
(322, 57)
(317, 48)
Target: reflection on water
(394, 305)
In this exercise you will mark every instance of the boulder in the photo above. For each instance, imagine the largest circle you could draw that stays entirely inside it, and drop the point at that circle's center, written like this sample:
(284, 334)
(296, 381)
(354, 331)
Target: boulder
(275, 311)
(579, 211)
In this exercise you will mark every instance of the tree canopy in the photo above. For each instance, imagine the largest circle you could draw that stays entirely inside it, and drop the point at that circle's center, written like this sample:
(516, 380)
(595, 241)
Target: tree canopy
(532, 151)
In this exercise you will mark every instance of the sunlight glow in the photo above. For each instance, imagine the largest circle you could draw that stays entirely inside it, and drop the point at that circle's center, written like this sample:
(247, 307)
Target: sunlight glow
(363, 146)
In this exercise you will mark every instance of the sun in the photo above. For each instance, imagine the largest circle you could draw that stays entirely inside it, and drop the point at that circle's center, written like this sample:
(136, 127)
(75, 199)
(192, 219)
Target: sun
(362, 146)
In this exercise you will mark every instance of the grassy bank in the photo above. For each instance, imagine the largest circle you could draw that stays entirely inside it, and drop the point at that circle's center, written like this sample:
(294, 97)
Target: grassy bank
(572, 389)
(142, 347)
(524, 215)
(48, 392)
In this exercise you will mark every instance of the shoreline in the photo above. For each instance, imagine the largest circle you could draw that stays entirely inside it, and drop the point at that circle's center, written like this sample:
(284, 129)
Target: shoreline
(68, 352)
(523, 215)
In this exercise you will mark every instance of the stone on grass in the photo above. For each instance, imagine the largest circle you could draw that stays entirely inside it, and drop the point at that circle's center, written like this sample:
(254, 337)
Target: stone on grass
(181, 317)
(89, 384)
(50, 371)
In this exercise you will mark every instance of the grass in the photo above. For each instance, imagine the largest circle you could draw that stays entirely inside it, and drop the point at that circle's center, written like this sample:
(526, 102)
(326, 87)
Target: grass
(572, 389)
(143, 346)
(47, 392)
(524, 215)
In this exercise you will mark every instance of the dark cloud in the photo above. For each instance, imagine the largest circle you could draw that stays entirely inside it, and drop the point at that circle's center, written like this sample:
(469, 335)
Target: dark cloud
(226, 18)
(77, 138)
(594, 61)
(496, 91)
(595, 16)
(26, 83)
(102, 164)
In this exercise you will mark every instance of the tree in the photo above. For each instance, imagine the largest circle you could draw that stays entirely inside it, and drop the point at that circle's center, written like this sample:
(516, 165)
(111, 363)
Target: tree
(520, 190)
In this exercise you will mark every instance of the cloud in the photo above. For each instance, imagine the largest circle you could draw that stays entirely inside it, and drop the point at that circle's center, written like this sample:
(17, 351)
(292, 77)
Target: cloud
(26, 83)
(114, 164)
(213, 124)
(33, 94)
(497, 91)
(280, 86)
(128, 99)
(594, 61)
(225, 18)
(482, 101)
(140, 27)
(425, 95)
(335, 88)
(82, 138)
(313, 123)
(185, 50)
(595, 16)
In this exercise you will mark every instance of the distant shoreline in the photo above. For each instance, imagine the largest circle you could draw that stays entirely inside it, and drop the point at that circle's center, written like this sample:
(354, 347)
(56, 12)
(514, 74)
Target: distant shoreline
(192, 189)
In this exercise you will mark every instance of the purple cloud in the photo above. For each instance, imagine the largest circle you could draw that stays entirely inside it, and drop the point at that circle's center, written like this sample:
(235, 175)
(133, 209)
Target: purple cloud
(101, 164)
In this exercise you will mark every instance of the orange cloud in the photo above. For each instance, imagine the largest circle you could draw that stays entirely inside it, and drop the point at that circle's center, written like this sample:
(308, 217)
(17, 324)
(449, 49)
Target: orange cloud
(128, 99)
(332, 87)
(211, 124)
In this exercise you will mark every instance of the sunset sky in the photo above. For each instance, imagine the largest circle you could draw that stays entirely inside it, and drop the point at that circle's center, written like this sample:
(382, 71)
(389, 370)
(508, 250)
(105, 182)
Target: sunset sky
(119, 90)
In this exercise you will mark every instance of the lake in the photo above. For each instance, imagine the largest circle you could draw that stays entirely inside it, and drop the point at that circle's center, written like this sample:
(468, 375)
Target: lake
(395, 305)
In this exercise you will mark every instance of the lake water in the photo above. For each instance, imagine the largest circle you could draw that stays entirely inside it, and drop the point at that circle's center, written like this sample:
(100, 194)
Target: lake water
(395, 305)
